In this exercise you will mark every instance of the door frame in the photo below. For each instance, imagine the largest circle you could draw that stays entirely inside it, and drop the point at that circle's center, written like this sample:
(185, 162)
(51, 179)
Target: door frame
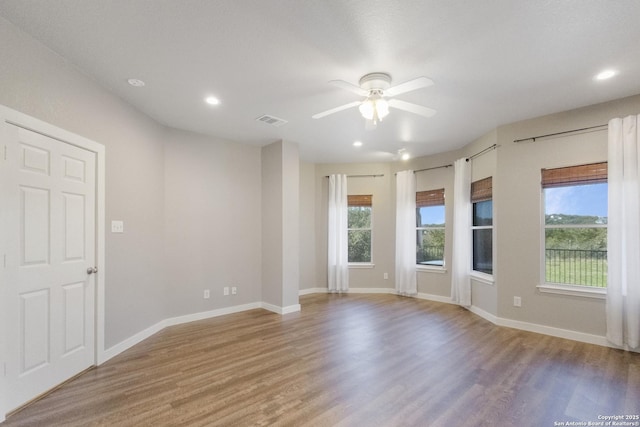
(7, 115)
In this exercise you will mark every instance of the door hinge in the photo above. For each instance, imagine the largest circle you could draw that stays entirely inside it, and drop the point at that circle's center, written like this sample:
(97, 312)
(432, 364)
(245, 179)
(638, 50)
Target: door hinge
(5, 152)
(4, 260)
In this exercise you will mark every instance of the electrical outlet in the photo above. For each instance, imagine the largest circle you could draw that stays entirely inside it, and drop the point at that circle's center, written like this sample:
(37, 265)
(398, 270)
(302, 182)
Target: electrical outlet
(117, 226)
(234, 290)
(517, 302)
(207, 294)
(386, 276)
(226, 290)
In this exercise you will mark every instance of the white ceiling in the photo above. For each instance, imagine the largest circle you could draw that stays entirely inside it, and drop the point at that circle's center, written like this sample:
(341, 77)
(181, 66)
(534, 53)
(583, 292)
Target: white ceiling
(493, 62)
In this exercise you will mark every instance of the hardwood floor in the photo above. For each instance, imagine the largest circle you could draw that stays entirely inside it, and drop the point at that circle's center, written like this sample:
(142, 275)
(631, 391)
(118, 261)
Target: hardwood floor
(356, 360)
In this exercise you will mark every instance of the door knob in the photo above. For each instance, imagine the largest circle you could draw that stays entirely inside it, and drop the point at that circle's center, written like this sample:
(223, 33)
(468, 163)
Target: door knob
(92, 270)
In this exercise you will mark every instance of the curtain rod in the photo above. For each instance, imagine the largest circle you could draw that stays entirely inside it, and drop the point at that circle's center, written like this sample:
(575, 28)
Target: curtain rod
(533, 138)
(435, 167)
(428, 169)
(361, 176)
(480, 153)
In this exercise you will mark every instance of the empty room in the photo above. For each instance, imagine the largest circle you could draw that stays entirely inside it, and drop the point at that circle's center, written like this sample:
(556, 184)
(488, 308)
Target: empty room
(319, 213)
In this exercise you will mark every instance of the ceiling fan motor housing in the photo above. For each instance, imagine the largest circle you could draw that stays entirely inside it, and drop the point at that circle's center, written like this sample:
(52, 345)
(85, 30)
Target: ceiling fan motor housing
(372, 81)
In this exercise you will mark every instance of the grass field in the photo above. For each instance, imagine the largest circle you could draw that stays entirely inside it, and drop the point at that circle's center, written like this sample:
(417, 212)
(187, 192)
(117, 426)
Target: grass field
(577, 271)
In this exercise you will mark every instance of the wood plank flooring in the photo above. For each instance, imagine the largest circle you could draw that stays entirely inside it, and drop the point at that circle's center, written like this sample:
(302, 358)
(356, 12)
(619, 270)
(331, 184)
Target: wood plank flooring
(355, 360)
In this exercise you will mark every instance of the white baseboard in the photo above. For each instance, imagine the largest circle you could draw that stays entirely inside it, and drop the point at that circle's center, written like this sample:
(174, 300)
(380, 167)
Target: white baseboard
(437, 298)
(485, 315)
(555, 332)
(371, 291)
(208, 314)
(312, 291)
(280, 310)
(143, 335)
(509, 323)
(130, 342)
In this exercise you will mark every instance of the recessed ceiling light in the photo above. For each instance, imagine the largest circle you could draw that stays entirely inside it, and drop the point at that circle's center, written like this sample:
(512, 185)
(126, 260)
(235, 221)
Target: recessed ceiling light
(357, 144)
(135, 82)
(212, 100)
(406, 156)
(606, 74)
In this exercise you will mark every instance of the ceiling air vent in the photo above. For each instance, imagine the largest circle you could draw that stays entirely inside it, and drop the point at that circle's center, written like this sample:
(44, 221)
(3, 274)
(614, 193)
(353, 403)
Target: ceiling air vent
(272, 120)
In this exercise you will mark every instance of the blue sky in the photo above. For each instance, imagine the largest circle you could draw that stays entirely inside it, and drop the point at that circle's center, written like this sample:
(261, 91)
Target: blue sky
(432, 215)
(577, 200)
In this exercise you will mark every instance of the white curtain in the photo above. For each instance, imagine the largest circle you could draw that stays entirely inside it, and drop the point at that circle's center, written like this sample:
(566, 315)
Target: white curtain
(623, 247)
(338, 257)
(461, 262)
(406, 233)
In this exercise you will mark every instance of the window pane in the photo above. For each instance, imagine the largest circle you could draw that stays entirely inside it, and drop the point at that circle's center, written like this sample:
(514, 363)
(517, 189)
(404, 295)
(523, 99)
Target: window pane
(576, 256)
(359, 245)
(483, 213)
(359, 217)
(430, 216)
(483, 250)
(430, 247)
(577, 204)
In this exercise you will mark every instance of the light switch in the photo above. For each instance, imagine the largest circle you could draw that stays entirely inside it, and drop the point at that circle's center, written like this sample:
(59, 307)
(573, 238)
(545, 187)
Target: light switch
(117, 226)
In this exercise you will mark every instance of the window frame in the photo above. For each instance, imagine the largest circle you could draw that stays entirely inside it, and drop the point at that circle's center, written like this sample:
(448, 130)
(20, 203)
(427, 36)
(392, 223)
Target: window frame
(352, 198)
(558, 287)
(483, 195)
(435, 194)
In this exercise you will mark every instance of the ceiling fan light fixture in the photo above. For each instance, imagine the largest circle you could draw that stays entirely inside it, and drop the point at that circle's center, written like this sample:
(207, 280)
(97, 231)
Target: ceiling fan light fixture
(382, 108)
(374, 108)
(367, 109)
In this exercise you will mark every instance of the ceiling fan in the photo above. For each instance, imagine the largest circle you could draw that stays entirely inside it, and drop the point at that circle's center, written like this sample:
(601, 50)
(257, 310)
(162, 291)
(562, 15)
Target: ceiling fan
(377, 89)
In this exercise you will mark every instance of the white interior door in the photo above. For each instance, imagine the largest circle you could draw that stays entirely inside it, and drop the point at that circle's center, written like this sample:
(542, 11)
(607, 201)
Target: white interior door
(48, 193)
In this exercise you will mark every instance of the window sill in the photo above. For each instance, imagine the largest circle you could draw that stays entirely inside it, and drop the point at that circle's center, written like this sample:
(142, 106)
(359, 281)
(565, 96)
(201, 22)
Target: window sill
(430, 269)
(578, 291)
(362, 265)
(487, 279)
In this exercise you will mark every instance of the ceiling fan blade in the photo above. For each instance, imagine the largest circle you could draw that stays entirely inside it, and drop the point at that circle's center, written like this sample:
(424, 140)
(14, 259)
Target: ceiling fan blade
(351, 88)
(414, 84)
(335, 110)
(412, 108)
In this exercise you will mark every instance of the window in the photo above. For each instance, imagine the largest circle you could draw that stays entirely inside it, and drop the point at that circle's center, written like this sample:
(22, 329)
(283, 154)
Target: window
(575, 225)
(482, 225)
(359, 228)
(430, 222)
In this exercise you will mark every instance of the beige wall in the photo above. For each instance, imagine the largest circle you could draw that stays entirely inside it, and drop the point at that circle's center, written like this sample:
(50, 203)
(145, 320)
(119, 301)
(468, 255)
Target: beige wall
(37, 82)
(434, 282)
(170, 253)
(383, 242)
(307, 228)
(515, 169)
(280, 224)
(485, 295)
(517, 197)
(212, 222)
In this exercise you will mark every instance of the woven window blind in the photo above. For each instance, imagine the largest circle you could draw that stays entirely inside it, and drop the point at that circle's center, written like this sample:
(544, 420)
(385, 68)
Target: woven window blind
(592, 173)
(482, 190)
(430, 198)
(360, 200)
